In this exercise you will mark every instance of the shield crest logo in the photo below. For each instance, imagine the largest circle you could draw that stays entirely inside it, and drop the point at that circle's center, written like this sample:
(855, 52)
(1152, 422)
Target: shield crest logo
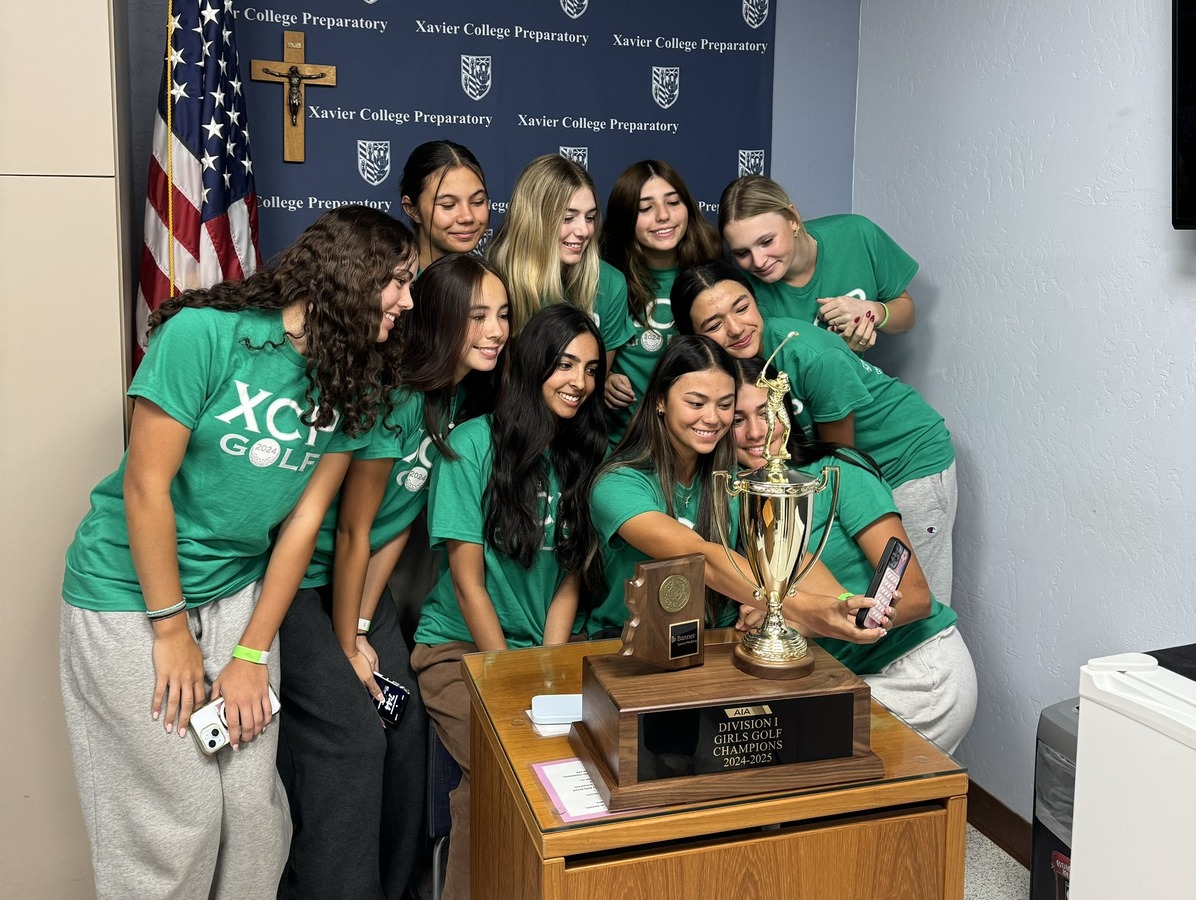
(666, 85)
(475, 76)
(751, 162)
(574, 8)
(755, 12)
(373, 161)
(579, 155)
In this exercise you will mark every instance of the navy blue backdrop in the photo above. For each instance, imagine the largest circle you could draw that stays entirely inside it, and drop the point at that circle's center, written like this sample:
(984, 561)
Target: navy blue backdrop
(604, 81)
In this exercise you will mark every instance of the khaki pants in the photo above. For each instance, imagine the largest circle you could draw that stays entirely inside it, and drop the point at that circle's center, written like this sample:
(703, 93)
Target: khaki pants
(447, 702)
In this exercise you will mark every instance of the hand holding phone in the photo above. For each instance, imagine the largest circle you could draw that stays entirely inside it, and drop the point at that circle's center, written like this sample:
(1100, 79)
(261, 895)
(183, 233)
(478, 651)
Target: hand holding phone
(210, 726)
(884, 583)
(394, 699)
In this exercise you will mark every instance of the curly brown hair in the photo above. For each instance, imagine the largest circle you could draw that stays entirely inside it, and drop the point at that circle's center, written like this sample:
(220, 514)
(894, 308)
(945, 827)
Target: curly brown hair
(337, 268)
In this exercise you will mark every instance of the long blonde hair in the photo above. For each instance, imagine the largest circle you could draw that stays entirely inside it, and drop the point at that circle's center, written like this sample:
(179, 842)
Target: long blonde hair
(754, 195)
(526, 250)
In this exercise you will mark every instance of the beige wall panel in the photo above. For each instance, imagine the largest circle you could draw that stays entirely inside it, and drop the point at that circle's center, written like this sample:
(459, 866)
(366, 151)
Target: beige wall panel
(61, 390)
(56, 88)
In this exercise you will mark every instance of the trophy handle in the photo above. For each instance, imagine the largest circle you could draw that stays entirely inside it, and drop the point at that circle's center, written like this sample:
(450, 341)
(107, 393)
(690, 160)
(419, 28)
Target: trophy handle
(811, 558)
(720, 522)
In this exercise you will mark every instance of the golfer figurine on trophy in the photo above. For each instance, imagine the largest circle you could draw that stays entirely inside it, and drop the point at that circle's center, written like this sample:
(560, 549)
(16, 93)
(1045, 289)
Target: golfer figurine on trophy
(776, 507)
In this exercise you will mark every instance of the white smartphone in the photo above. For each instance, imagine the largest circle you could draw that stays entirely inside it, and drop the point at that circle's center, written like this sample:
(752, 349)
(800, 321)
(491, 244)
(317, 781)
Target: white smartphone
(210, 727)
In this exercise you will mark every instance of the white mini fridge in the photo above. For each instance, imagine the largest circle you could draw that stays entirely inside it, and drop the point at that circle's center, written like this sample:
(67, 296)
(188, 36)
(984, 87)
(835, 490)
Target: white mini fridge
(1134, 831)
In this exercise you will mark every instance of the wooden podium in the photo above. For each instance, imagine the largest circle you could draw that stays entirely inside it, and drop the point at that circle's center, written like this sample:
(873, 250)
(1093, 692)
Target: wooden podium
(899, 836)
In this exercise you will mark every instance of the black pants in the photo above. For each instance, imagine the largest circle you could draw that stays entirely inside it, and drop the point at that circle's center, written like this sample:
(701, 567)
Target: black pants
(356, 790)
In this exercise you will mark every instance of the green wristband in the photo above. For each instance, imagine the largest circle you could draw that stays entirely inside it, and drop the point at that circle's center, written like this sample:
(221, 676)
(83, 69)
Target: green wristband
(881, 324)
(846, 595)
(249, 655)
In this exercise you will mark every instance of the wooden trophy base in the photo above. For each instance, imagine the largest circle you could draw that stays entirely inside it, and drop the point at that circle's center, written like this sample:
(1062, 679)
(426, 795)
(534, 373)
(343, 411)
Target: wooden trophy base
(652, 738)
(777, 671)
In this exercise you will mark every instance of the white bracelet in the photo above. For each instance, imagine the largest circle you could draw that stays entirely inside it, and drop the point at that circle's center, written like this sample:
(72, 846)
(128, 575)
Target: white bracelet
(167, 611)
(363, 626)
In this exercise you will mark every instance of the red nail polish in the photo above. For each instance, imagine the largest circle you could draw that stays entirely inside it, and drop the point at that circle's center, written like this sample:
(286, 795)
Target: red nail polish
(857, 318)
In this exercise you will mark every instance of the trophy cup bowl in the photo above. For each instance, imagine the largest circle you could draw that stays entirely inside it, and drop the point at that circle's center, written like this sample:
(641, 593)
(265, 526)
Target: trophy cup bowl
(776, 508)
(775, 511)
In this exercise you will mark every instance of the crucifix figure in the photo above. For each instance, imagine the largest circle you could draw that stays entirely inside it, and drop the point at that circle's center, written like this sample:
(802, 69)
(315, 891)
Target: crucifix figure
(295, 79)
(295, 73)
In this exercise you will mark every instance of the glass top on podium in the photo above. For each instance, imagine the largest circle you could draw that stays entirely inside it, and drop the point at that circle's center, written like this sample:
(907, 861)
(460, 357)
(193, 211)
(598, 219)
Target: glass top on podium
(504, 684)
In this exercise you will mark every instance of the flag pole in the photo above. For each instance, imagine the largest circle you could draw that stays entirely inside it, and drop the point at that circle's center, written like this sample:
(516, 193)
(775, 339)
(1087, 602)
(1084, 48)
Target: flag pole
(169, 149)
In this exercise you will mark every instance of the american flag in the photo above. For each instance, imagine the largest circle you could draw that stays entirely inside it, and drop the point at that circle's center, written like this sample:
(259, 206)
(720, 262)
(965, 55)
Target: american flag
(201, 199)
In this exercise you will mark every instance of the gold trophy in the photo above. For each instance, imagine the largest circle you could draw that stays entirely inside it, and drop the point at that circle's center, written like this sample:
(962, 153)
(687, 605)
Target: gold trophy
(776, 508)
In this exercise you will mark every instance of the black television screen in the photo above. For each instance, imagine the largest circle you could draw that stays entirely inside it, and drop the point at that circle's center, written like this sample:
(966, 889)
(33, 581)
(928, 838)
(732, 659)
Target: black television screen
(1183, 121)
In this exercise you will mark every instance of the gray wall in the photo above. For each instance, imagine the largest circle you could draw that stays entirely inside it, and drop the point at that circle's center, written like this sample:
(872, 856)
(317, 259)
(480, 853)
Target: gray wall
(813, 102)
(1021, 152)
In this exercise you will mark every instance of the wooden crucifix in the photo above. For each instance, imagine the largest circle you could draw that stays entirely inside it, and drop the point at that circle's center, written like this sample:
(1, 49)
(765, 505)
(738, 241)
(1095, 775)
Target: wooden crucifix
(296, 75)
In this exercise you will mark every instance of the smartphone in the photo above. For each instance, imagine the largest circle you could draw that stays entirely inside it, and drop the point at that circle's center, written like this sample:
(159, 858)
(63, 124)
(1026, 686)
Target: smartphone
(210, 727)
(394, 699)
(884, 582)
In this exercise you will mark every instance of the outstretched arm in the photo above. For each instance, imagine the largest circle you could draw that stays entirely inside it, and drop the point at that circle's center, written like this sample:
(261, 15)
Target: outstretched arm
(562, 611)
(812, 611)
(361, 496)
(157, 444)
(244, 684)
(467, 564)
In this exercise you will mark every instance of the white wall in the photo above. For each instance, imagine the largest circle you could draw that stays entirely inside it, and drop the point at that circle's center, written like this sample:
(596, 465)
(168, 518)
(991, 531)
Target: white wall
(1021, 152)
(62, 372)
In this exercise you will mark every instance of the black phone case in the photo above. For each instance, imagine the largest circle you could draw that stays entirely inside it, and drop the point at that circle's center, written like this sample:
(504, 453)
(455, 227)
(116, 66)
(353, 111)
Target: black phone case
(394, 699)
(891, 558)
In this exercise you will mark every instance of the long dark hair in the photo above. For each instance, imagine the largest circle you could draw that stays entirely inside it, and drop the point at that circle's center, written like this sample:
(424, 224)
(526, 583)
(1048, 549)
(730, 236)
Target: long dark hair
(695, 279)
(803, 448)
(336, 269)
(434, 159)
(646, 445)
(434, 334)
(623, 251)
(522, 428)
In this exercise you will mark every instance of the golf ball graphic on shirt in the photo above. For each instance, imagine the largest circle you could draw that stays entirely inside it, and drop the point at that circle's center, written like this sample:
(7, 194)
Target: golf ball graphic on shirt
(264, 453)
(415, 479)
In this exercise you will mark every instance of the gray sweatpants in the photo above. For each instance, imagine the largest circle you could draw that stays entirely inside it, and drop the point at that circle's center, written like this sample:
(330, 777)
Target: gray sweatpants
(928, 515)
(165, 821)
(932, 688)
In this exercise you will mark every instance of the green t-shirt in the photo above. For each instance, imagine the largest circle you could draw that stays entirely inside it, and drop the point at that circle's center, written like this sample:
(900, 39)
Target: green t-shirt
(893, 424)
(415, 455)
(636, 358)
(620, 495)
(864, 498)
(521, 597)
(855, 258)
(247, 460)
(610, 307)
